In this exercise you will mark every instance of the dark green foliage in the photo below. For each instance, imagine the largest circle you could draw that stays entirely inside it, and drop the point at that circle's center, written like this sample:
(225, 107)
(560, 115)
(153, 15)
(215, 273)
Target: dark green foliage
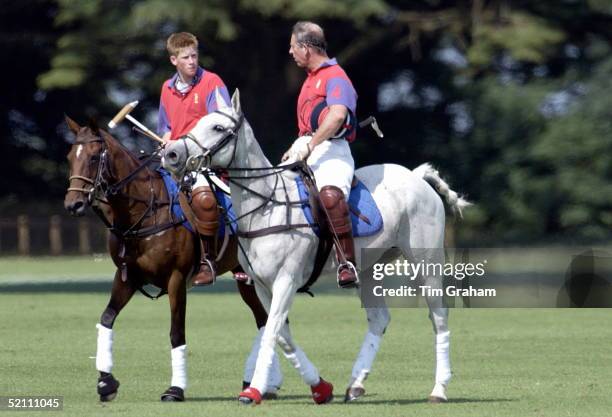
(509, 99)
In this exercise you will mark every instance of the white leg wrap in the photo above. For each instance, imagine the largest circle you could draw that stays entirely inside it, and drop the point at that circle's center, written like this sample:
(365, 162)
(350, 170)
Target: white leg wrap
(251, 360)
(104, 353)
(365, 359)
(442, 350)
(179, 366)
(265, 359)
(306, 369)
(275, 378)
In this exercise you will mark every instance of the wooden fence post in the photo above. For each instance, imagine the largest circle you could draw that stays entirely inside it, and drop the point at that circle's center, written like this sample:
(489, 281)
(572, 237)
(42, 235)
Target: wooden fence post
(84, 242)
(55, 234)
(23, 235)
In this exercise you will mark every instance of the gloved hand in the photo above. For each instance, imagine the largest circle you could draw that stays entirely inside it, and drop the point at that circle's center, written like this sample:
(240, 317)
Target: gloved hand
(299, 151)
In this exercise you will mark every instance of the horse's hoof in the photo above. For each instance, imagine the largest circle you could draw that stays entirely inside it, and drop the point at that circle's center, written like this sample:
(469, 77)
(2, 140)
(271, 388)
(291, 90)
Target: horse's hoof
(107, 387)
(250, 396)
(438, 394)
(268, 395)
(323, 392)
(353, 393)
(246, 401)
(173, 394)
(109, 397)
(436, 400)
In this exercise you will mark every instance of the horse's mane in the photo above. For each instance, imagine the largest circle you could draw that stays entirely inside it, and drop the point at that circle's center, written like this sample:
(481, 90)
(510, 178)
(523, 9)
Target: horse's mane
(108, 137)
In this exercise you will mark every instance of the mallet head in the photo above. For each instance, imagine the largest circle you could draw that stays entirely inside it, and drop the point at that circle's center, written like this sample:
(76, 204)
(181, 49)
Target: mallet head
(122, 113)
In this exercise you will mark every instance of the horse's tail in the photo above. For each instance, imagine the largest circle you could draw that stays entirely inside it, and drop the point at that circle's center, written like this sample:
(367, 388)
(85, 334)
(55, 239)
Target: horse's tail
(454, 201)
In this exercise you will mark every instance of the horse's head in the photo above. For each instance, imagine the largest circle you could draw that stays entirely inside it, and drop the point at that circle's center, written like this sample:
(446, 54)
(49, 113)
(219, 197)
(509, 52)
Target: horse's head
(85, 163)
(211, 143)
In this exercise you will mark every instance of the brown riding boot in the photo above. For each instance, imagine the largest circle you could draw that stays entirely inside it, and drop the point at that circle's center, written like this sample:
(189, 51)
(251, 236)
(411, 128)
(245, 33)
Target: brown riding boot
(337, 208)
(204, 206)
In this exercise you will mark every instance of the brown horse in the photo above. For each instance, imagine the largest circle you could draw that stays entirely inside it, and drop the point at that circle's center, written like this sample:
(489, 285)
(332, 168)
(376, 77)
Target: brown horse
(146, 243)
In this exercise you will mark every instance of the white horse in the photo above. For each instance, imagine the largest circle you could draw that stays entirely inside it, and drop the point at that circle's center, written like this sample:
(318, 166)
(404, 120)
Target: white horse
(281, 263)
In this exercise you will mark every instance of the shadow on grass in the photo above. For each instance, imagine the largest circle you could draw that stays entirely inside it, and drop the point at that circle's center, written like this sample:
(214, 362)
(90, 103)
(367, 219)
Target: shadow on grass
(234, 398)
(225, 286)
(425, 401)
(212, 399)
(221, 286)
(303, 399)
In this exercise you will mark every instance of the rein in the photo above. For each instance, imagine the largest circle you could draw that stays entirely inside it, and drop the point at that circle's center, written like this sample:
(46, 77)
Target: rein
(269, 199)
(196, 163)
(100, 191)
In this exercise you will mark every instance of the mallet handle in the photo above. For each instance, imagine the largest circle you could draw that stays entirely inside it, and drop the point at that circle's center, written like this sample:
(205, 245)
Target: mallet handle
(145, 129)
(142, 132)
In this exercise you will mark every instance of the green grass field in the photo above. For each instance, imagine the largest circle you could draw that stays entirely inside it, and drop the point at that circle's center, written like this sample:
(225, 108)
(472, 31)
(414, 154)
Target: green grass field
(506, 362)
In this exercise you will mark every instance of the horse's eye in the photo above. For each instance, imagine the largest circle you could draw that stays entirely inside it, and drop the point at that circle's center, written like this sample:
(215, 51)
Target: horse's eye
(94, 159)
(219, 128)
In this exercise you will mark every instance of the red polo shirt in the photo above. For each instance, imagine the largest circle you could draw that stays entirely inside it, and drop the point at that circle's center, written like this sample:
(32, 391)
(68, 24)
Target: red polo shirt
(180, 112)
(327, 83)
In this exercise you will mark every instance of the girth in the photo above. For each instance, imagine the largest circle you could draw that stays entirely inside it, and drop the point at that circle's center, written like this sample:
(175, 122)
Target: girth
(325, 239)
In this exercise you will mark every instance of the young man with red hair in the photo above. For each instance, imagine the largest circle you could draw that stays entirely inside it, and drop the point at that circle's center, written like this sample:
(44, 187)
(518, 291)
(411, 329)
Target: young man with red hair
(186, 98)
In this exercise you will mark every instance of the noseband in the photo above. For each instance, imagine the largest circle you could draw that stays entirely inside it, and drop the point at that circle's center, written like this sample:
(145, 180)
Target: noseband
(197, 162)
(98, 182)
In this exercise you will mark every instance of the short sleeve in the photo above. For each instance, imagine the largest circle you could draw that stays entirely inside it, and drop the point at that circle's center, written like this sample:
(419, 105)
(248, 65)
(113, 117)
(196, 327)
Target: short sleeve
(211, 100)
(340, 91)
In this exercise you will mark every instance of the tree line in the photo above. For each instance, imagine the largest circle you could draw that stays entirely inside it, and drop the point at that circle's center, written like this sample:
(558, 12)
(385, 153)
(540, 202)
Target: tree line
(509, 99)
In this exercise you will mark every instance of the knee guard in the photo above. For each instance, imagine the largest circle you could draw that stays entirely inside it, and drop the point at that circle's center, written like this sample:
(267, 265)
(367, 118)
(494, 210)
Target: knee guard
(333, 200)
(204, 206)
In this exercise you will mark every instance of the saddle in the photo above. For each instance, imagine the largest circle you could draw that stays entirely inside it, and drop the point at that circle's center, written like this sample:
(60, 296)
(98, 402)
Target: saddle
(365, 218)
(182, 214)
(181, 211)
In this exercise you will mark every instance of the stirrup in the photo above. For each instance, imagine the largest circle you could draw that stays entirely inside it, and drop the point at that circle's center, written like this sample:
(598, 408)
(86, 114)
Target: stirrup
(351, 266)
(211, 265)
(213, 272)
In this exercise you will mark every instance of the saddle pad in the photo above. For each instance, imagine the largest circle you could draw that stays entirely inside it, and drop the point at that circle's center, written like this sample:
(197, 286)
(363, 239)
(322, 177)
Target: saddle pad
(360, 201)
(224, 202)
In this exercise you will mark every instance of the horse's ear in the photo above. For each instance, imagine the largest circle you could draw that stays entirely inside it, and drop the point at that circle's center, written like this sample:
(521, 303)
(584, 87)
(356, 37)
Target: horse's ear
(93, 125)
(221, 103)
(236, 102)
(72, 125)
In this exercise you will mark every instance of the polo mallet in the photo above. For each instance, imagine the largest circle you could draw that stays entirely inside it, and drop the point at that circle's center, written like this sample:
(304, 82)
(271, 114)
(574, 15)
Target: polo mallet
(124, 113)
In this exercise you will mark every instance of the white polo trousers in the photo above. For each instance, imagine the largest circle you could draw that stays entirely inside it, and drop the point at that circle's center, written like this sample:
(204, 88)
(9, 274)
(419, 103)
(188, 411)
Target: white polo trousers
(332, 164)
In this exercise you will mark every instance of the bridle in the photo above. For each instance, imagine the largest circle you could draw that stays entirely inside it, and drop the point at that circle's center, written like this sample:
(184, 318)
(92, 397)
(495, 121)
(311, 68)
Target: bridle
(98, 185)
(195, 163)
(100, 190)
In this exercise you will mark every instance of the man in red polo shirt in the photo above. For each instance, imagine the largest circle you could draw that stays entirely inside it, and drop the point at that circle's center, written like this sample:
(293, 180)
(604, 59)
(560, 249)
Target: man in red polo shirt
(186, 98)
(326, 113)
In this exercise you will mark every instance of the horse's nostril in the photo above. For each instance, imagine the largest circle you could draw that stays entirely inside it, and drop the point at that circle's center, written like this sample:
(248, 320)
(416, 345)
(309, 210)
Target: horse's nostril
(76, 208)
(172, 157)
